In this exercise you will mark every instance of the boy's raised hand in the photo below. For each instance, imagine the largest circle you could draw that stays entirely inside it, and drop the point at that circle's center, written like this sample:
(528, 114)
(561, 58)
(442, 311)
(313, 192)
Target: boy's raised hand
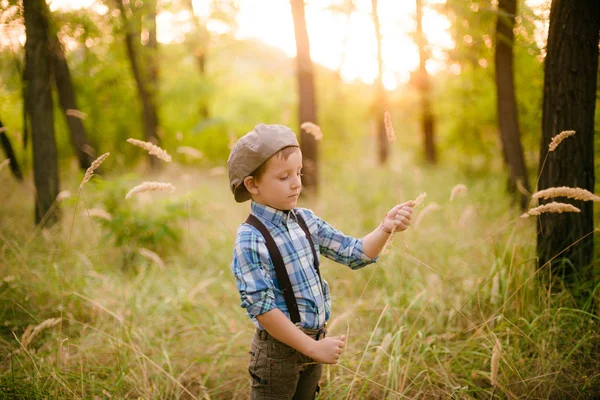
(328, 350)
(398, 218)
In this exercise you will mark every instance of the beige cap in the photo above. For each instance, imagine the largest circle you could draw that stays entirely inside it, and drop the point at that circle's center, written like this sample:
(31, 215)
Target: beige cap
(252, 150)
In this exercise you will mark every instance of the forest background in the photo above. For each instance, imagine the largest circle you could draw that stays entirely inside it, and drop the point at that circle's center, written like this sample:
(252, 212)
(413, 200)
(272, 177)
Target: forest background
(106, 296)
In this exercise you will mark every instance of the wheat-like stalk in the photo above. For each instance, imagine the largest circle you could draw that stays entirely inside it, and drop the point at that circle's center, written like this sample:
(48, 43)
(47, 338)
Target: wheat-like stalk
(63, 194)
(419, 199)
(458, 190)
(76, 113)
(553, 207)
(151, 187)
(428, 208)
(190, 151)
(4, 163)
(90, 171)
(31, 332)
(564, 191)
(99, 213)
(312, 129)
(151, 148)
(495, 363)
(559, 138)
(152, 256)
(389, 128)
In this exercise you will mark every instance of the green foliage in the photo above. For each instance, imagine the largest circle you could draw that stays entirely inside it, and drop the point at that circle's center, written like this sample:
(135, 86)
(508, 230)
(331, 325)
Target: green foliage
(133, 225)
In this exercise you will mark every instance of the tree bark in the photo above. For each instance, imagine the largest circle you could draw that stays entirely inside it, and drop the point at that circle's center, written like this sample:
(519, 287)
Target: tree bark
(199, 46)
(39, 104)
(66, 95)
(508, 118)
(10, 154)
(380, 105)
(146, 93)
(307, 102)
(427, 122)
(565, 240)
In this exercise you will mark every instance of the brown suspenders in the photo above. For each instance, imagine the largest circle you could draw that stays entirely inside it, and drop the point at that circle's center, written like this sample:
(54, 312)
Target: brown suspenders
(280, 271)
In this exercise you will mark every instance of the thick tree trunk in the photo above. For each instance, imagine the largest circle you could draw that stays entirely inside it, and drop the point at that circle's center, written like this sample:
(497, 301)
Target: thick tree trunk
(145, 92)
(39, 105)
(10, 154)
(380, 105)
(427, 122)
(66, 95)
(307, 101)
(508, 119)
(570, 83)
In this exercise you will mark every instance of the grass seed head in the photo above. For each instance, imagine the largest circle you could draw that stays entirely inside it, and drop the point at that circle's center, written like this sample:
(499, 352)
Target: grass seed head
(151, 187)
(564, 191)
(389, 128)
(312, 129)
(559, 138)
(90, 171)
(151, 148)
(553, 207)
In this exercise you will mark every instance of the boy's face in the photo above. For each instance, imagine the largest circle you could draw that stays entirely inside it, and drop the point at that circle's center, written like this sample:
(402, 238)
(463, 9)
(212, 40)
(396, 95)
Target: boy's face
(280, 184)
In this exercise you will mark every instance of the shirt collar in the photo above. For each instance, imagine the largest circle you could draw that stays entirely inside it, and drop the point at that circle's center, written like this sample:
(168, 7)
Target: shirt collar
(273, 215)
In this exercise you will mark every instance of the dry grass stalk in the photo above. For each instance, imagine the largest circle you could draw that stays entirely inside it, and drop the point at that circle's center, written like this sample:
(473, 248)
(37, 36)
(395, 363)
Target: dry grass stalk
(522, 188)
(152, 256)
(564, 191)
(495, 363)
(190, 151)
(553, 207)
(458, 190)
(4, 163)
(98, 212)
(389, 128)
(31, 332)
(559, 138)
(494, 294)
(151, 187)
(151, 148)
(90, 171)
(63, 194)
(429, 208)
(312, 129)
(76, 113)
(419, 199)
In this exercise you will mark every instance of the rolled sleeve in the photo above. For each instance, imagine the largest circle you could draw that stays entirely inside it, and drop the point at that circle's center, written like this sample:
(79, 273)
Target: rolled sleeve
(251, 270)
(338, 247)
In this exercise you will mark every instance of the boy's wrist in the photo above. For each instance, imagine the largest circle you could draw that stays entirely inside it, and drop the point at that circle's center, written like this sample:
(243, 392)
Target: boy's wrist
(382, 227)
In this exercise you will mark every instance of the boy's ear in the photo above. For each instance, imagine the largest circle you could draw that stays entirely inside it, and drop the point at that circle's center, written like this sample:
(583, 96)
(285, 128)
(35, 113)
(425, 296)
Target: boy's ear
(250, 184)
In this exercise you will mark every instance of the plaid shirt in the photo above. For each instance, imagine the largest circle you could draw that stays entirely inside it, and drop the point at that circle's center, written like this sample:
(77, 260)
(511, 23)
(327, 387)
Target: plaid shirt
(254, 271)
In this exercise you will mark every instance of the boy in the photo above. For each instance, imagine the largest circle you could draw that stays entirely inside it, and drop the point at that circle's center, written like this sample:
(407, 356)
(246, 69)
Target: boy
(276, 264)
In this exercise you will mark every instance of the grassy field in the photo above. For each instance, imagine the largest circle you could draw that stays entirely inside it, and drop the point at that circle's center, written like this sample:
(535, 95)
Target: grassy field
(452, 310)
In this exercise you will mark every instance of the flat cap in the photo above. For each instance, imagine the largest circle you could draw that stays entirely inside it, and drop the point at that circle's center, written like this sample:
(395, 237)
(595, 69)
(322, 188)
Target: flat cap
(252, 150)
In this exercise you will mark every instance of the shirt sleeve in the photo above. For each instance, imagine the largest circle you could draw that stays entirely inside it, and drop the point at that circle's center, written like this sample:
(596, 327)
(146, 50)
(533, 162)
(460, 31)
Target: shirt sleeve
(336, 246)
(250, 267)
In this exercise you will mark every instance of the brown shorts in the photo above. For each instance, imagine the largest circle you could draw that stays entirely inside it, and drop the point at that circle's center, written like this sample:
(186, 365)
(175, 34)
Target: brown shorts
(280, 372)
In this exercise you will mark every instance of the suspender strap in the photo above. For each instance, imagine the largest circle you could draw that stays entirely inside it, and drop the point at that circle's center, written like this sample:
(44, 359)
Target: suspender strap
(312, 246)
(280, 271)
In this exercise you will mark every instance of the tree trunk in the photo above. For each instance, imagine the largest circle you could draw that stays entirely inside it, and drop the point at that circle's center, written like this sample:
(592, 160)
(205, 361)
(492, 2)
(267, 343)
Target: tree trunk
(570, 83)
(39, 100)
(307, 103)
(427, 122)
(380, 105)
(10, 154)
(199, 46)
(508, 119)
(66, 95)
(145, 92)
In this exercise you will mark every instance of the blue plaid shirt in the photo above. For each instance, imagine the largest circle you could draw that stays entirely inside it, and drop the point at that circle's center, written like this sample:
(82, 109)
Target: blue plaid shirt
(254, 271)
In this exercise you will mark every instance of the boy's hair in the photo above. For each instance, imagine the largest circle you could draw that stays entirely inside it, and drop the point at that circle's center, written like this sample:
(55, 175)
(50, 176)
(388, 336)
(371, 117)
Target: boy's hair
(284, 153)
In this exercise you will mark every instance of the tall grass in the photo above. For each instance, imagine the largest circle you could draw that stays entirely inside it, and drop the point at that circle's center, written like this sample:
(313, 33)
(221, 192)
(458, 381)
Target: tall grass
(454, 299)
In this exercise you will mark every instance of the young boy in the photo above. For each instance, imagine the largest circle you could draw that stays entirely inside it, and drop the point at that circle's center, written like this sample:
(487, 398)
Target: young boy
(276, 264)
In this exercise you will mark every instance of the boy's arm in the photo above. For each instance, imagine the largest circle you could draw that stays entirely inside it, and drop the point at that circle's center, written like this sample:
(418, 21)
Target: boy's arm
(396, 220)
(281, 328)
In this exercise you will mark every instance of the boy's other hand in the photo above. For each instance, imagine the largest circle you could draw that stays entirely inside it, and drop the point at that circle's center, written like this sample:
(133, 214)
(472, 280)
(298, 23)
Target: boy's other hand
(328, 350)
(398, 218)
